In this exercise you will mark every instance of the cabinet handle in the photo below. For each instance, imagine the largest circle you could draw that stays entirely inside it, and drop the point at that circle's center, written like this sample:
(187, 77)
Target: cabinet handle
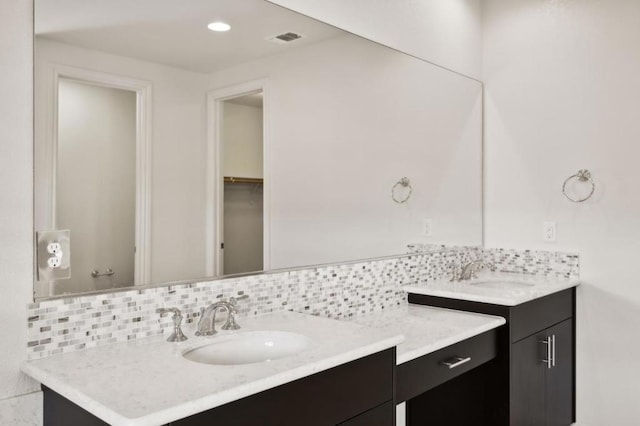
(456, 362)
(549, 342)
(553, 350)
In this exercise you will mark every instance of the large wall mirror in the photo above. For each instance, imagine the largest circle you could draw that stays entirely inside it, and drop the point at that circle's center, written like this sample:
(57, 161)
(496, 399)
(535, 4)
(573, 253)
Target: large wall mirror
(174, 152)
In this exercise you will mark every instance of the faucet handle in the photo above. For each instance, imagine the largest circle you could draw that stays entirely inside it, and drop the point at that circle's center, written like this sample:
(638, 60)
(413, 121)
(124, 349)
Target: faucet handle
(455, 271)
(234, 300)
(231, 323)
(177, 335)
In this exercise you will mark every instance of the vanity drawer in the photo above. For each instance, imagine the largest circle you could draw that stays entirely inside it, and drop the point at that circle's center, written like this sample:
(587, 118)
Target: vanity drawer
(421, 374)
(531, 317)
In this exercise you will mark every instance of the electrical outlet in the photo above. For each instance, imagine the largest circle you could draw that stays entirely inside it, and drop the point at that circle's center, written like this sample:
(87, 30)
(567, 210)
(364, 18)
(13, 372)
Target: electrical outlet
(427, 228)
(549, 232)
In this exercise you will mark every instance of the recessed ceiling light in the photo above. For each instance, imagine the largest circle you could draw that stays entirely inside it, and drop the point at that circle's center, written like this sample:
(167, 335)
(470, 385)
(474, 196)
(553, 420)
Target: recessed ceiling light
(219, 26)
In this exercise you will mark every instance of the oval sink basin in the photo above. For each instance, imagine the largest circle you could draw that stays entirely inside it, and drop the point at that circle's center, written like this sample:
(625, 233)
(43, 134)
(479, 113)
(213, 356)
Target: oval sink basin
(501, 284)
(249, 347)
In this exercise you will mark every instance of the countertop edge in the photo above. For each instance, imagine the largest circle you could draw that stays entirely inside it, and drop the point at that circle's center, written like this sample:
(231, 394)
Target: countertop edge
(423, 289)
(212, 401)
(443, 343)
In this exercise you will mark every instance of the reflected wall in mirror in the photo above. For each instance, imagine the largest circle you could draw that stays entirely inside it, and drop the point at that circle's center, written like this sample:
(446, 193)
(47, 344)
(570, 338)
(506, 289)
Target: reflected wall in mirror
(342, 120)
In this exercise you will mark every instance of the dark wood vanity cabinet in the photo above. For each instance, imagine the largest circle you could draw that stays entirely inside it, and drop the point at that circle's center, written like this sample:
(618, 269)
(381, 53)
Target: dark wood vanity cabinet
(530, 383)
(357, 393)
(543, 391)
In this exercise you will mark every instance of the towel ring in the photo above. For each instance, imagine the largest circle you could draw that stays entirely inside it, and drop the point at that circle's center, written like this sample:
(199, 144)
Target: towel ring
(404, 182)
(583, 175)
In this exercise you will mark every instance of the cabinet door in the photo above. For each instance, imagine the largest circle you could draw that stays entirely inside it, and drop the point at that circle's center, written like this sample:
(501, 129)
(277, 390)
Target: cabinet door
(542, 394)
(527, 396)
(559, 396)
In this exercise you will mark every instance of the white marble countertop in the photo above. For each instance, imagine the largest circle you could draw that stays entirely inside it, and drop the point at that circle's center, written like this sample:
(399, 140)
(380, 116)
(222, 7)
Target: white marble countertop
(148, 382)
(499, 289)
(427, 329)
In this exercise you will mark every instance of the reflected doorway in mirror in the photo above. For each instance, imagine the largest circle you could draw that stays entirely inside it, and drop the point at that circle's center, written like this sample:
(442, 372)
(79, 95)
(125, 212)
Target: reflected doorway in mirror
(238, 199)
(95, 159)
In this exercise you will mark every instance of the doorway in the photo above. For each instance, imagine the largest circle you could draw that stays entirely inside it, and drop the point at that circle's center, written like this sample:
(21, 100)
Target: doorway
(93, 177)
(239, 190)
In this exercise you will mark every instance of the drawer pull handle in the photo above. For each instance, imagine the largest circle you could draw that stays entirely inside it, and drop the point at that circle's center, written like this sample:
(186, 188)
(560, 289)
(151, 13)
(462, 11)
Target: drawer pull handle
(456, 362)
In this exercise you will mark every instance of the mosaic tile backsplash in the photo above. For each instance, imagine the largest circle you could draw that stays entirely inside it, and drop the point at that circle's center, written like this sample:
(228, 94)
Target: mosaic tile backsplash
(336, 291)
(550, 264)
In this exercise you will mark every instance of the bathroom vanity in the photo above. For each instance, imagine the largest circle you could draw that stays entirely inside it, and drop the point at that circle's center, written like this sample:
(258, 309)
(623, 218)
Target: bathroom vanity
(151, 382)
(503, 350)
(532, 380)
(353, 373)
(359, 392)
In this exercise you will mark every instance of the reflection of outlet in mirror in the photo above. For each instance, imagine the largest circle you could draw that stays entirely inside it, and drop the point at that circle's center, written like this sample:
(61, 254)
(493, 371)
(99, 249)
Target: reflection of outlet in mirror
(53, 255)
(54, 262)
(427, 227)
(54, 248)
(549, 232)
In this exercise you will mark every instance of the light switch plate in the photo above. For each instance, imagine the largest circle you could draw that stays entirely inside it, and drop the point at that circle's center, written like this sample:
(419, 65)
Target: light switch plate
(59, 256)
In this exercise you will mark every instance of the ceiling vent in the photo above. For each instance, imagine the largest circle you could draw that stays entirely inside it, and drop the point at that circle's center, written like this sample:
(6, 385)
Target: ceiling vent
(285, 38)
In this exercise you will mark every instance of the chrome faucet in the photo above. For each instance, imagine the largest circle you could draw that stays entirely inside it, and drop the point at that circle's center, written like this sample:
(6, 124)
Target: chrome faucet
(469, 270)
(206, 325)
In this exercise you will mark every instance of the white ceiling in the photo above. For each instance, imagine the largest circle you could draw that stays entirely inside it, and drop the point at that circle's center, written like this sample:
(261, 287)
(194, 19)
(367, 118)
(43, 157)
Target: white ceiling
(174, 32)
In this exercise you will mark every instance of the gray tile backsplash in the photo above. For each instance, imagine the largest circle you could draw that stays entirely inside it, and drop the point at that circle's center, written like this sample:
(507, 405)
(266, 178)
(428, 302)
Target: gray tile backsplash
(551, 264)
(336, 291)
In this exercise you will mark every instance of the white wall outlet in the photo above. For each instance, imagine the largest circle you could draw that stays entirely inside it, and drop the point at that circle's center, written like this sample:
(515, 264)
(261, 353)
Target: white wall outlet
(549, 232)
(427, 227)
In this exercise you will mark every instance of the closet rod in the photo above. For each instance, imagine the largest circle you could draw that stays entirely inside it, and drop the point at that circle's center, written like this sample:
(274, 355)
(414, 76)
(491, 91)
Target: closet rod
(230, 179)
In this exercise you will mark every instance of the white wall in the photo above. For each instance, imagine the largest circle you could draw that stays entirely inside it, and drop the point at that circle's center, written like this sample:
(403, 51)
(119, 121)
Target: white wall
(445, 32)
(562, 90)
(96, 183)
(347, 119)
(178, 151)
(16, 168)
(242, 141)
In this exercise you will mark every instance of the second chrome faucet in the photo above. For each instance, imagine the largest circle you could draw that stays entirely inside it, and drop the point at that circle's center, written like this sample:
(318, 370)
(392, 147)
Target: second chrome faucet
(207, 326)
(468, 271)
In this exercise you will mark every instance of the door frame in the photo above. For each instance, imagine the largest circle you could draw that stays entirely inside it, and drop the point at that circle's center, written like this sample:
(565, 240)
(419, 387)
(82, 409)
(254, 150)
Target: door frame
(143, 90)
(215, 183)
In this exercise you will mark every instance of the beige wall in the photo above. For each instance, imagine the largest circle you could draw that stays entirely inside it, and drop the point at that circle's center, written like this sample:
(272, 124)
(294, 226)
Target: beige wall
(242, 141)
(562, 89)
(96, 183)
(16, 262)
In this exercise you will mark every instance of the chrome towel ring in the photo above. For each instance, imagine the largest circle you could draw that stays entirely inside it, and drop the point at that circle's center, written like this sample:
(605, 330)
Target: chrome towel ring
(404, 183)
(583, 175)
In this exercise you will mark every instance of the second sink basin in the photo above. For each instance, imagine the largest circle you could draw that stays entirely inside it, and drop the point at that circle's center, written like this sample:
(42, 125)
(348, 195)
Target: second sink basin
(501, 284)
(249, 347)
